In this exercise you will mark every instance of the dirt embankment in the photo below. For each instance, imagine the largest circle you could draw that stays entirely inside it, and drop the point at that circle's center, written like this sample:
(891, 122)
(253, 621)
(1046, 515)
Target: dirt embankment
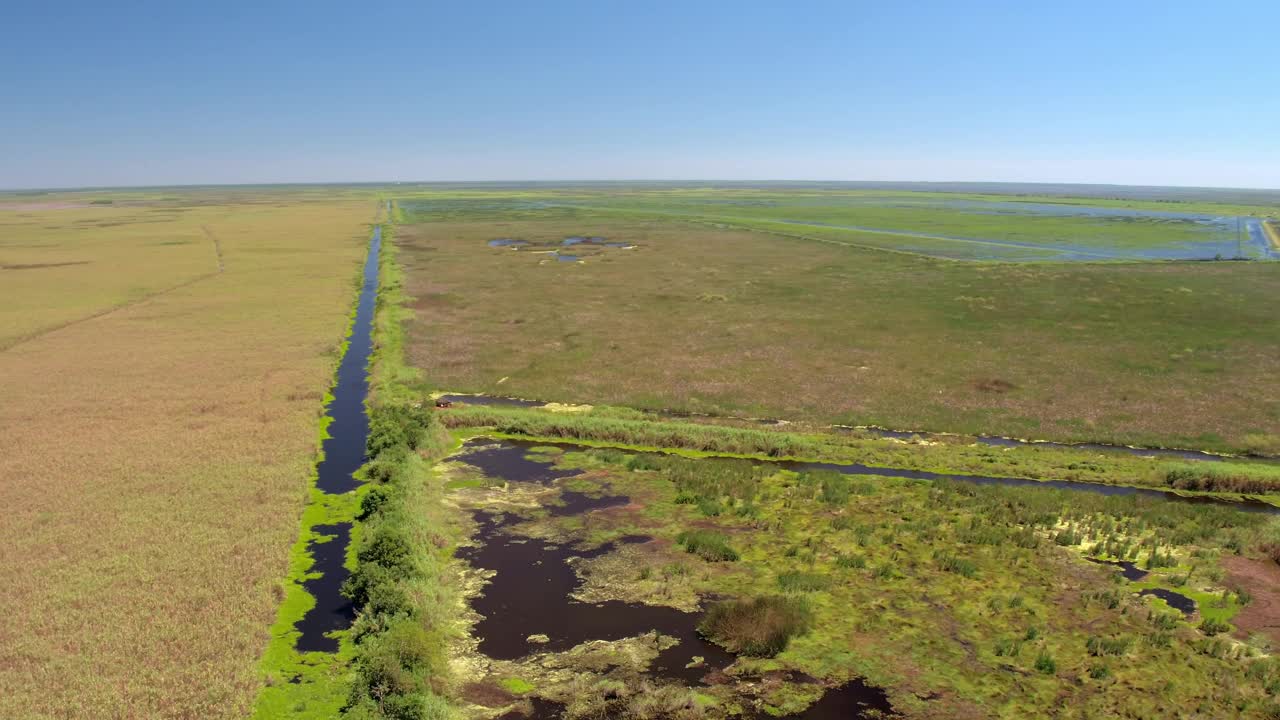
(1261, 579)
(1272, 230)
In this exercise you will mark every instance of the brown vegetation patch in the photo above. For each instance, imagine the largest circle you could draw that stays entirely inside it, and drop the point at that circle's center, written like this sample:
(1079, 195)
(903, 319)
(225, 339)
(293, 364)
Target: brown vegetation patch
(993, 385)
(1261, 578)
(486, 694)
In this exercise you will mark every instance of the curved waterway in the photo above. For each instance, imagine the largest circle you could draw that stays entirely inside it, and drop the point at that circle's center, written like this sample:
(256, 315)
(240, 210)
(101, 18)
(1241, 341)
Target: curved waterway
(344, 453)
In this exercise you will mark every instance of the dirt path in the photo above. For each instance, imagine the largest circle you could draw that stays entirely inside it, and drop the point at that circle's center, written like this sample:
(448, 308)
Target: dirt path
(217, 246)
(1261, 578)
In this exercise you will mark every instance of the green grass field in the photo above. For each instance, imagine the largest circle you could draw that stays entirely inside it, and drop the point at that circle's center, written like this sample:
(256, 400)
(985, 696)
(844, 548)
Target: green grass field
(731, 321)
(951, 225)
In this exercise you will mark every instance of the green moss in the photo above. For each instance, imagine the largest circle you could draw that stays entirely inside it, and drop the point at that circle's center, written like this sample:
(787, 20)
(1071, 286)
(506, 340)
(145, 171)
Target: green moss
(517, 686)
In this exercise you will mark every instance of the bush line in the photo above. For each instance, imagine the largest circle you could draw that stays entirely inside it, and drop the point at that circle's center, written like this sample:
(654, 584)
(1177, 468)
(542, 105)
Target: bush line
(399, 667)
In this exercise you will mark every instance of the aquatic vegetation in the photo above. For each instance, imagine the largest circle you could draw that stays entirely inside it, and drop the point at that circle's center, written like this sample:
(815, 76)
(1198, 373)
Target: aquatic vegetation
(760, 627)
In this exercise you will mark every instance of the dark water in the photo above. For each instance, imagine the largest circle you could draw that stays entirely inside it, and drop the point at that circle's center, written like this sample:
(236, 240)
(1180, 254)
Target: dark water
(567, 258)
(493, 400)
(1247, 505)
(344, 448)
(529, 594)
(508, 242)
(1127, 569)
(332, 610)
(343, 455)
(505, 460)
(1177, 601)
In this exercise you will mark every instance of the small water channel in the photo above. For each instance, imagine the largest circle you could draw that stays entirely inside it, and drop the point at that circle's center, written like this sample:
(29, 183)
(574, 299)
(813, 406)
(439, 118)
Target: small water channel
(989, 440)
(344, 453)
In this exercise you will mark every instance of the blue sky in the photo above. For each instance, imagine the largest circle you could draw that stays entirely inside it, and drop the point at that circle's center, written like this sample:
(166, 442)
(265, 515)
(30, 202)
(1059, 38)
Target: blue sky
(127, 93)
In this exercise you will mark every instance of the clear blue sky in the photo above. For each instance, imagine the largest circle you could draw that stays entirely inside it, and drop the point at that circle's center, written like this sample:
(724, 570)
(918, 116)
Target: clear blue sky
(111, 93)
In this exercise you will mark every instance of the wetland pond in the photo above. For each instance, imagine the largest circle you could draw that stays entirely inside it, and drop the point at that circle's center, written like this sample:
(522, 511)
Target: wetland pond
(539, 618)
(527, 606)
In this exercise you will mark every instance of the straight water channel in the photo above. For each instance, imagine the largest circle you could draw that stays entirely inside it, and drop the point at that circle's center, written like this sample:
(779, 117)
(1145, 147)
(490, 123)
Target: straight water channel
(344, 453)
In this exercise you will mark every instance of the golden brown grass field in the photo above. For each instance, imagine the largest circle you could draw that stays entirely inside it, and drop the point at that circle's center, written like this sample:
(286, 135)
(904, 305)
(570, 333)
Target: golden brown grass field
(746, 323)
(158, 422)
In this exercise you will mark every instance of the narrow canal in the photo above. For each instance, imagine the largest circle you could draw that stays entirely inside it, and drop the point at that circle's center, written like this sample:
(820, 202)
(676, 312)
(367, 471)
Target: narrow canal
(343, 454)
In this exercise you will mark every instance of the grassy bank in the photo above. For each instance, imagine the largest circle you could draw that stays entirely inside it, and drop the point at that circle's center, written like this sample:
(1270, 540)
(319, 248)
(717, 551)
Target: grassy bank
(1036, 463)
(399, 668)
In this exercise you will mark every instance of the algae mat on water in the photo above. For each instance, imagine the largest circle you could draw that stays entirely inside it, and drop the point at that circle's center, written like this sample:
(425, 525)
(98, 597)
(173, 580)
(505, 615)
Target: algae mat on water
(157, 445)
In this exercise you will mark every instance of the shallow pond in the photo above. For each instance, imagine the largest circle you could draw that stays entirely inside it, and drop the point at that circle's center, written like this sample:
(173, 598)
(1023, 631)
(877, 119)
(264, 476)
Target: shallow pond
(1175, 600)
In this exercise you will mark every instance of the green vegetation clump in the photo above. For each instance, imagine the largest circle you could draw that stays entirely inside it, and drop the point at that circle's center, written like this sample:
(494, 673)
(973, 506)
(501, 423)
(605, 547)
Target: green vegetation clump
(793, 582)
(761, 627)
(958, 565)
(1213, 626)
(709, 545)
(1099, 646)
(399, 657)
(1223, 477)
(1045, 663)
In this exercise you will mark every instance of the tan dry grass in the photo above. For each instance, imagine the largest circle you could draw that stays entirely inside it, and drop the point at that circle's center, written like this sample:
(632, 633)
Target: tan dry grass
(750, 324)
(155, 458)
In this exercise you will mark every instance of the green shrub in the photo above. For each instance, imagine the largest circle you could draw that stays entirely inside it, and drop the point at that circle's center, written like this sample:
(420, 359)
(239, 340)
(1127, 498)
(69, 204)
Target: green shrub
(708, 545)
(761, 627)
(1045, 663)
(852, 562)
(1212, 627)
(1099, 646)
(372, 502)
(957, 565)
(387, 546)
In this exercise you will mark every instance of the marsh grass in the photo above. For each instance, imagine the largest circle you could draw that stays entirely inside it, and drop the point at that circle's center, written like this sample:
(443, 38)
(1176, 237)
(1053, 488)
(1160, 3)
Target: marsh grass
(156, 456)
(760, 627)
(1223, 477)
(709, 545)
(763, 352)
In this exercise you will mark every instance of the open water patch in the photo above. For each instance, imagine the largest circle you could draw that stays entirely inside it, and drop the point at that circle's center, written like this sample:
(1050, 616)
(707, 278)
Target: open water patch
(1128, 570)
(1175, 600)
(333, 611)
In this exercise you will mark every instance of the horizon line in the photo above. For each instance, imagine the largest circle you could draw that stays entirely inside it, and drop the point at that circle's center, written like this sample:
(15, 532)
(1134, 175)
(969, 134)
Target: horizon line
(599, 181)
